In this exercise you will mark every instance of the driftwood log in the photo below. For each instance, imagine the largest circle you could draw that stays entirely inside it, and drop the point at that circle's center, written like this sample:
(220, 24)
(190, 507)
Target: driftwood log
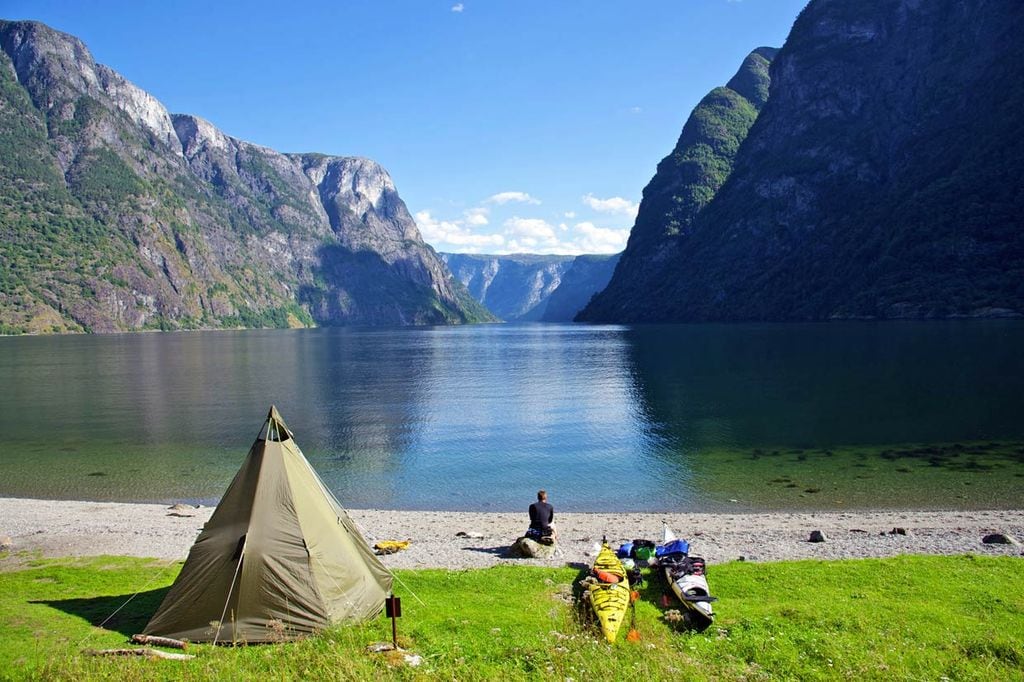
(159, 641)
(148, 653)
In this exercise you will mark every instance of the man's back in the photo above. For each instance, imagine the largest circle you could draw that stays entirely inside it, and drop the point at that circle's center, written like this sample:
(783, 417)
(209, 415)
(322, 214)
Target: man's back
(541, 515)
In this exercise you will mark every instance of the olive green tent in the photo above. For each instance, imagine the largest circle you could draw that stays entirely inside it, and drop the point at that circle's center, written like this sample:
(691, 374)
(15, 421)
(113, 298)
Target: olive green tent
(279, 558)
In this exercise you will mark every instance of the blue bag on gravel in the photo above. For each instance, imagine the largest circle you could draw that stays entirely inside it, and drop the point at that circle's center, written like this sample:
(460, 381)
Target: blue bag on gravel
(674, 547)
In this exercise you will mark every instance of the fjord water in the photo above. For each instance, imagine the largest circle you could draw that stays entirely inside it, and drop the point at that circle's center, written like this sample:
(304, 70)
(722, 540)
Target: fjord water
(683, 417)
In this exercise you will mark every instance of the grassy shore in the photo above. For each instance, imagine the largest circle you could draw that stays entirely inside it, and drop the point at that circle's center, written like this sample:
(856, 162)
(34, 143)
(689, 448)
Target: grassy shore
(907, 617)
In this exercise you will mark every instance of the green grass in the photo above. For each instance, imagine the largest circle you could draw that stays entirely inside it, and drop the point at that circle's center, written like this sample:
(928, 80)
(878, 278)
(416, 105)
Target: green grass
(905, 618)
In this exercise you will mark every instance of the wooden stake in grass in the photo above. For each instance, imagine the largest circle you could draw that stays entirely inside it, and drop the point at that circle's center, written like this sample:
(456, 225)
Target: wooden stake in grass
(148, 653)
(159, 641)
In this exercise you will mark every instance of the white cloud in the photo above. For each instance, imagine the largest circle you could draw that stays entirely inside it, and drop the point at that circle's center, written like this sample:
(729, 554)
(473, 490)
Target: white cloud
(569, 214)
(594, 239)
(612, 205)
(635, 110)
(534, 235)
(502, 198)
(453, 233)
(476, 217)
(458, 7)
(530, 228)
(518, 234)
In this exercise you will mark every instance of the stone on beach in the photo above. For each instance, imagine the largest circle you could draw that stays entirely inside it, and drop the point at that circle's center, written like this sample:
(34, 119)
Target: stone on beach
(533, 549)
(471, 535)
(1000, 539)
(817, 536)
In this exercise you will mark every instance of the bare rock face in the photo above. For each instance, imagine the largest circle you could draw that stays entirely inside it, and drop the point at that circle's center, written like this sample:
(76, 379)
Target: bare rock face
(56, 68)
(515, 287)
(367, 215)
(524, 287)
(129, 217)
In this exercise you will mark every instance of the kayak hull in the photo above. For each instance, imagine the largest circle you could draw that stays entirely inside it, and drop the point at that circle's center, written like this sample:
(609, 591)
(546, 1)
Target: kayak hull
(610, 600)
(692, 591)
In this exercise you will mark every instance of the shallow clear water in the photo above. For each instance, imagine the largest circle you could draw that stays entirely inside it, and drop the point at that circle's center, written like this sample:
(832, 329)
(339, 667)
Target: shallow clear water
(685, 417)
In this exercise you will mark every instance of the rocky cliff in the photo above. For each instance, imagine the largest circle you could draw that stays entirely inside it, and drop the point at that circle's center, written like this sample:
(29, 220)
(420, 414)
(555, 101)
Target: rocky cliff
(882, 178)
(524, 287)
(117, 215)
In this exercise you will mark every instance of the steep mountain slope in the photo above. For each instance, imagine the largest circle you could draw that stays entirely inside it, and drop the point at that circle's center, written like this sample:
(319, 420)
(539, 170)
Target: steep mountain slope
(882, 178)
(588, 275)
(525, 287)
(686, 180)
(116, 215)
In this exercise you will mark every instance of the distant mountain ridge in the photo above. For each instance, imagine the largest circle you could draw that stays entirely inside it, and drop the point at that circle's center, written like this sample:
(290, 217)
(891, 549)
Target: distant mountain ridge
(117, 215)
(881, 179)
(532, 288)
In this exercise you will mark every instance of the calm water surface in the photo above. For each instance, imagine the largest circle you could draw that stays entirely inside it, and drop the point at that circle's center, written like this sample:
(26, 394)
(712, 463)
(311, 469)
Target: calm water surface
(701, 417)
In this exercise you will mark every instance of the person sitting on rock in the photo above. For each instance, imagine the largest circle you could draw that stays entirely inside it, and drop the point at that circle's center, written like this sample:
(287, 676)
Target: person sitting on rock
(541, 516)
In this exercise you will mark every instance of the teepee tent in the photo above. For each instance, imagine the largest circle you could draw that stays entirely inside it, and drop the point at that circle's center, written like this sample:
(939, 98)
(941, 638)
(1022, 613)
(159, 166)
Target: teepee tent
(279, 558)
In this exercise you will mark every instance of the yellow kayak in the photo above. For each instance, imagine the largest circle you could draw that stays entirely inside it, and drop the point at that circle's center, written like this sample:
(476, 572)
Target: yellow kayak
(610, 594)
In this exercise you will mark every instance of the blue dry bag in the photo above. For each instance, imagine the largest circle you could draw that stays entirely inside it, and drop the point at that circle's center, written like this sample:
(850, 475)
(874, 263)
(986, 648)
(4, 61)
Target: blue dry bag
(674, 547)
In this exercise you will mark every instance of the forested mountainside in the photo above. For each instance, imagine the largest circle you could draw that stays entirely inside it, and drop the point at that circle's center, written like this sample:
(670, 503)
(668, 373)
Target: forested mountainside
(526, 287)
(882, 178)
(685, 181)
(117, 215)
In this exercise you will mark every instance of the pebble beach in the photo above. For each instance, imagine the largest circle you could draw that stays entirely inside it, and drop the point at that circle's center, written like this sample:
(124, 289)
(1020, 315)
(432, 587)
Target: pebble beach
(459, 540)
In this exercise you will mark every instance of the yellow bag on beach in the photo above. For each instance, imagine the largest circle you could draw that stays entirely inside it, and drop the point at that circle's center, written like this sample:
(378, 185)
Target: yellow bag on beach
(390, 546)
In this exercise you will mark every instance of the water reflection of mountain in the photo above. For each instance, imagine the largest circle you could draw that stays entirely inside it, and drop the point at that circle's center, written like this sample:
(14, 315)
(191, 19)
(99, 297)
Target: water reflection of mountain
(363, 392)
(508, 409)
(828, 384)
(480, 417)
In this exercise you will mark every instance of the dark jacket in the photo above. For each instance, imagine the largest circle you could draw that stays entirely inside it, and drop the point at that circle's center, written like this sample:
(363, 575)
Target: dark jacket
(541, 516)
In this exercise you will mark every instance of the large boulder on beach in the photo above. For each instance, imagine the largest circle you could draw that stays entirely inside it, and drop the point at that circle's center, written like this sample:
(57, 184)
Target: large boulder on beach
(525, 547)
(6, 543)
(1000, 539)
(816, 536)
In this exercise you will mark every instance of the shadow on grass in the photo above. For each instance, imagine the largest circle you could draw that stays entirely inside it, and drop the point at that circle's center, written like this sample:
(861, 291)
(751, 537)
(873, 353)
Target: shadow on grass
(100, 611)
(584, 613)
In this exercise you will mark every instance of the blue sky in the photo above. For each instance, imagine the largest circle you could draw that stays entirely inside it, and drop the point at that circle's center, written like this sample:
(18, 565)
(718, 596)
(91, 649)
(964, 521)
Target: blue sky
(521, 126)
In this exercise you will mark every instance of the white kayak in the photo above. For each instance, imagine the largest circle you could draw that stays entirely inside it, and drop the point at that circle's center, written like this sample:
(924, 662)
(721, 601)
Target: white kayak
(687, 576)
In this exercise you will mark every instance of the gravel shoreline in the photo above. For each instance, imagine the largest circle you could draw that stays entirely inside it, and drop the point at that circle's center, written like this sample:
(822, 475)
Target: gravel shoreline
(58, 528)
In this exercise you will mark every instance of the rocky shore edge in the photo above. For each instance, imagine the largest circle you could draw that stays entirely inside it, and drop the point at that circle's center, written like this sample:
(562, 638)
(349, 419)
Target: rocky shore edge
(457, 540)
